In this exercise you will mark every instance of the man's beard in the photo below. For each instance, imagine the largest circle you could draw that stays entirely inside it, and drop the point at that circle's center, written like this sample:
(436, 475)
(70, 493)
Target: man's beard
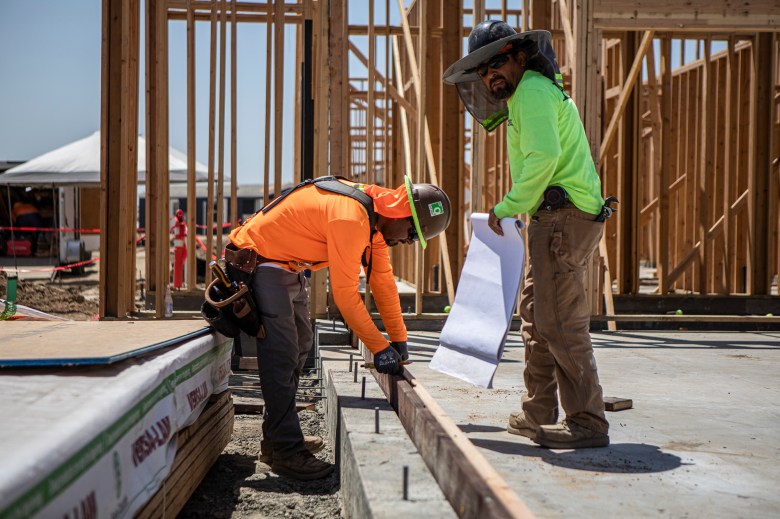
(502, 93)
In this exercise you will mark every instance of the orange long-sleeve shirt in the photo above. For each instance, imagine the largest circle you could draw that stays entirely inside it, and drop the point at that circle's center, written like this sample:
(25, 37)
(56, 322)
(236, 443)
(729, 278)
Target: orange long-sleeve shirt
(311, 226)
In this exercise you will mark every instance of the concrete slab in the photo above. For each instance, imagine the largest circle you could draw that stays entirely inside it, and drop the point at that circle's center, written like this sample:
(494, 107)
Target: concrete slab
(372, 464)
(703, 438)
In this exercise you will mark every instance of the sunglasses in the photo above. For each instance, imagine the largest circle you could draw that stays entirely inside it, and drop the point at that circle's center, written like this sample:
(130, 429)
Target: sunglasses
(496, 62)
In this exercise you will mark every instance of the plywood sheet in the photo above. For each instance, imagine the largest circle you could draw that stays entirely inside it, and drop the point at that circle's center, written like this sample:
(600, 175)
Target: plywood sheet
(70, 343)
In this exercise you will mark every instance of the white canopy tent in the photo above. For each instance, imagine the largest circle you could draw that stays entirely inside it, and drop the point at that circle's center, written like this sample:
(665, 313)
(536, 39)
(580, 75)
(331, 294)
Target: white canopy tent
(78, 164)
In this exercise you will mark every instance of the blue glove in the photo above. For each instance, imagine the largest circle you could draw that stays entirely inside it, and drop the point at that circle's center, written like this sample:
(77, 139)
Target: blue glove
(401, 348)
(388, 361)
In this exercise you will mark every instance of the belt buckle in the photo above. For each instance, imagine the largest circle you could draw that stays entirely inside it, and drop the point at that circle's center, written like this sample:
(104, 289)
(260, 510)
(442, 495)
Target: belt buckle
(301, 265)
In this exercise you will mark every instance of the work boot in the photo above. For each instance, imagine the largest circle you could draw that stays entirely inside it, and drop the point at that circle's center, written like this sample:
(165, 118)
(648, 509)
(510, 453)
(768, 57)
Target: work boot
(569, 435)
(302, 465)
(312, 443)
(518, 424)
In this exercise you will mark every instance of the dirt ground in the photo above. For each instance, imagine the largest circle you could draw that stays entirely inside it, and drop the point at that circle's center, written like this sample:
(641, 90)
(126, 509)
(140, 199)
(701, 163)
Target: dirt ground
(71, 300)
(239, 486)
(69, 296)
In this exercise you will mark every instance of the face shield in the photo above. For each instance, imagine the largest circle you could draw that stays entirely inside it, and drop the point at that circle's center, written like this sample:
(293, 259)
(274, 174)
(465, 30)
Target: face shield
(487, 110)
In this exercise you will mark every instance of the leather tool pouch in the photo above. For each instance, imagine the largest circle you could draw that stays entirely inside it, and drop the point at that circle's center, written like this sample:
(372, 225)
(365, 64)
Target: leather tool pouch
(216, 314)
(244, 260)
(231, 311)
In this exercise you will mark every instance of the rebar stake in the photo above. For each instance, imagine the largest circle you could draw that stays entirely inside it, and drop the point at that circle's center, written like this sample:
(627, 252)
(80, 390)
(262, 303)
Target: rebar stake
(363, 391)
(376, 420)
(406, 482)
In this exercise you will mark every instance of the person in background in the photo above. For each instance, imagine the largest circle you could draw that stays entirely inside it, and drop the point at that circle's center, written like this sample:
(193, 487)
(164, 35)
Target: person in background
(26, 214)
(514, 77)
(341, 225)
(179, 231)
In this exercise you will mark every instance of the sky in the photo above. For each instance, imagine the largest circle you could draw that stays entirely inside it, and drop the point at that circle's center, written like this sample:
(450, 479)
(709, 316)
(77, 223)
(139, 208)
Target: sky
(50, 81)
(50, 53)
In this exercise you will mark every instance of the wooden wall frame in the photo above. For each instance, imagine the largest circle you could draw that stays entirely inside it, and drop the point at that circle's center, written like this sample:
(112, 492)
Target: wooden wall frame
(692, 152)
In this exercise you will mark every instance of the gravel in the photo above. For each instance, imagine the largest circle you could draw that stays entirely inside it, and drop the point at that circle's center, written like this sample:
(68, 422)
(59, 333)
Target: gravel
(240, 486)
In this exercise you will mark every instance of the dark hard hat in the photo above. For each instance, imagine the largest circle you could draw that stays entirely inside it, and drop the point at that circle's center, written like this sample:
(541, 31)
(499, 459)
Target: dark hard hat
(488, 32)
(431, 210)
(486, 40)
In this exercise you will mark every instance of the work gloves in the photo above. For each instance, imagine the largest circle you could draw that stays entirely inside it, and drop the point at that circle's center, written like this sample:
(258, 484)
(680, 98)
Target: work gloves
(388, 361)
(401, 348)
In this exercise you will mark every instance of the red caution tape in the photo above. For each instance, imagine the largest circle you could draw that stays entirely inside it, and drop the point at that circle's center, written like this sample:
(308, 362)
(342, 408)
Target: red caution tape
(50, 229)
(51, 269)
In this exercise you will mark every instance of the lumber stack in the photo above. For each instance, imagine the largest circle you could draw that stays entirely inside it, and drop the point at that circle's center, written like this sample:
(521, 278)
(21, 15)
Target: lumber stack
(199, 446)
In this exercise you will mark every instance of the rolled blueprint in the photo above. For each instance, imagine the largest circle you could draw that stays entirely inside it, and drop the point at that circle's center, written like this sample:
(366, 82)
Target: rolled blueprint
(472, 340)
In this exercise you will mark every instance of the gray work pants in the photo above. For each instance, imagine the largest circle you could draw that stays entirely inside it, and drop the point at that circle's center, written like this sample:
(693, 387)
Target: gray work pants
(283, 300)
(556, 320)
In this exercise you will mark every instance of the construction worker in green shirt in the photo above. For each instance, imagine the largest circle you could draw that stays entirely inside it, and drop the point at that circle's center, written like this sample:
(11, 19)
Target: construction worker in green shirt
(514, 77)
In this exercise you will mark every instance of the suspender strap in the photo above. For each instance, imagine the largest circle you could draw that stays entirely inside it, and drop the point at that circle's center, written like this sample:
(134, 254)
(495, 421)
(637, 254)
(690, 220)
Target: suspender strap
(332, 184)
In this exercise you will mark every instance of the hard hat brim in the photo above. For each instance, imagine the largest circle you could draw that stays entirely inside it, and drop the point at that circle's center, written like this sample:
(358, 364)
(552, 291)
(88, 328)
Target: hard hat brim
(465, 68)
(408, 183)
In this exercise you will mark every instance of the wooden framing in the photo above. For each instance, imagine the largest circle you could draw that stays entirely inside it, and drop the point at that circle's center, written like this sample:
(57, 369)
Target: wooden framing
(690, 149)
(693, 15)
(191, 270)
(118, 167)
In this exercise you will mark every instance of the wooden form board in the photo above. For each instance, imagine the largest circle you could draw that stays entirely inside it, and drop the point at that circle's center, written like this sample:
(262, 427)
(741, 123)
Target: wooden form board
(72, 343)
(466, 478)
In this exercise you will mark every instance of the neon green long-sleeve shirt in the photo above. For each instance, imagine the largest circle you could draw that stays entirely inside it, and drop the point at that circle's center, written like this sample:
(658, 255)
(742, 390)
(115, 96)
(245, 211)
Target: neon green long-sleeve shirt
(547, 147)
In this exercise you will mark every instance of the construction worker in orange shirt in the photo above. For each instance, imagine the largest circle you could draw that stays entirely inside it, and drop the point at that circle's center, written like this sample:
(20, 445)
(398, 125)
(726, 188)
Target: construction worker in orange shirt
(334, 223)
(26, 214)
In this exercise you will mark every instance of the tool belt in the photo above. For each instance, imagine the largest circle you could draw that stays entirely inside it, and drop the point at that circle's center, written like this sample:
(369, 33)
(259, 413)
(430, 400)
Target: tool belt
(245, 260)
(230, 306)
(556, 197)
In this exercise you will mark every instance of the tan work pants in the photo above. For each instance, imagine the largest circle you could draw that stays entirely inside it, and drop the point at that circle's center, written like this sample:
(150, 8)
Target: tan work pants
(556, 319)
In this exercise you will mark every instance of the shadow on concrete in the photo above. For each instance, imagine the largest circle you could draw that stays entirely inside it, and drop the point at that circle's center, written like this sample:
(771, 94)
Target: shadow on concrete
(472, 427)
(424, 352)
(647, 341)
(355, 402)
(618, 458)
(424, 340)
